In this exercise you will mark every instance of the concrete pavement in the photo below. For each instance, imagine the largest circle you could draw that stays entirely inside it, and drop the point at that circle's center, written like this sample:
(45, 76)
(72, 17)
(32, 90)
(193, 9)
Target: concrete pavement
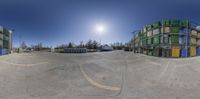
(107, 75)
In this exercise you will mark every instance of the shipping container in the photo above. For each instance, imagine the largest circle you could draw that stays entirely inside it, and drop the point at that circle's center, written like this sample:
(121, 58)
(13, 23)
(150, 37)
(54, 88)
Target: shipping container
(145, 52)
(149, 27)
(165, 30)
(156, 31)
(157, 52)
(198, 51)
(164, 39)
(156, 25)
(165, 22)
(156, 40)
(137, 40)
(174, 39)
(3, 51)
(198, 42)
(193, 41)
(183, 40)
(149, 41)
(183, 31)
(192, 51)
(194, 32)
(175, 52)
(145, 29)
(184, 52)
(136, 35)
(1, 43)
(165, 52)
(1, 36)
(198, 34)
(149, 33)
(144, 42)
(184, 23)
(175, 23)
(175, 29)
(150, 52)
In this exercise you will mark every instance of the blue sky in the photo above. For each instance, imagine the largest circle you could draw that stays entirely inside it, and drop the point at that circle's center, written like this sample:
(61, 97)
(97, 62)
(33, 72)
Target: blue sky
(55, 22)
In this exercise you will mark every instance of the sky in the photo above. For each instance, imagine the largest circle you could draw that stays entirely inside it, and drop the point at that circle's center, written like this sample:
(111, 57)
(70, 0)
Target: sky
(54, 22)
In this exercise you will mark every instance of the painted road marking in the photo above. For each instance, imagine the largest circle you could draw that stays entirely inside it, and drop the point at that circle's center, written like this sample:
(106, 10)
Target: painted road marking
(16, 64)
(152, 62)
(96, 84)
(165, 69)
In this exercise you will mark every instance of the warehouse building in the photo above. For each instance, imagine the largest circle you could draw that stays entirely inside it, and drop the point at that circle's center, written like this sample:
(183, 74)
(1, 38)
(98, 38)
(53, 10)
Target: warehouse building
(168, 38)
(5, 41)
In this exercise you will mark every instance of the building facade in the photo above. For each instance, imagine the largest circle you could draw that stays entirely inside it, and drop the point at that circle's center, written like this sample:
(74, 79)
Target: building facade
(168, 38)
(5, 41)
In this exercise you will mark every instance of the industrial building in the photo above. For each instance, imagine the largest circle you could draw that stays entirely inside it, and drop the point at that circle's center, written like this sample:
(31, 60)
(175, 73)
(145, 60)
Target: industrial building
(168, 38)
(5, 41)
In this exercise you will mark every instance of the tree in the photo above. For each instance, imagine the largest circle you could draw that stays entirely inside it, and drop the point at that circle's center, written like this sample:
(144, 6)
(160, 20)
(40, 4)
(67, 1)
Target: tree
(70, 45)
(95, 44)
(81, 45)
(89, 44)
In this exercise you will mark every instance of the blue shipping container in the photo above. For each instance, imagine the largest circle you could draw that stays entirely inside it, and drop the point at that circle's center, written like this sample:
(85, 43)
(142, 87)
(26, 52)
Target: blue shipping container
(183, 39)
(198, 51)
(184, 52)
(185, 30)
(3, 51)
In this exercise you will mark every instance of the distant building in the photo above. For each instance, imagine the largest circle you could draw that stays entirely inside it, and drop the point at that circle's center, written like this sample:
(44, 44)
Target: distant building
(5, 41)
(106, 48)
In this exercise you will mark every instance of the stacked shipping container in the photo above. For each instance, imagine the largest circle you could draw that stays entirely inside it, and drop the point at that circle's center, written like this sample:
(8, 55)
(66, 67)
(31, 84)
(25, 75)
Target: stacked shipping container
(5, 41)
(168, 38)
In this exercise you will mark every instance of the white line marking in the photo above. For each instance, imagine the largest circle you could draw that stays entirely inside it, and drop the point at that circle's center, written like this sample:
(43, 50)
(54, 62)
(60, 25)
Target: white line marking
(165, 69)
(92, 82)
(16, 64)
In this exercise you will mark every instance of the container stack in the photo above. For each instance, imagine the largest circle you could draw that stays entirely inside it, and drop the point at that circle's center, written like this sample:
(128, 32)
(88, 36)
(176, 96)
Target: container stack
(168, 38)
(5, 41)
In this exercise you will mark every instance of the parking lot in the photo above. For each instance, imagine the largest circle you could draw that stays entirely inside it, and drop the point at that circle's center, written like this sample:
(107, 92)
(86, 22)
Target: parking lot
(99, 75)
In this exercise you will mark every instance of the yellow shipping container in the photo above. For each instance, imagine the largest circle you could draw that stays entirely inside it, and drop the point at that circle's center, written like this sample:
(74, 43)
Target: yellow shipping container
(198, 34)
(192, 51)
(193, 41)
(1, 36)
(193, 32)
(1, 43)
(175, 52)
(198, 42)
(165, 29)
(162, 30)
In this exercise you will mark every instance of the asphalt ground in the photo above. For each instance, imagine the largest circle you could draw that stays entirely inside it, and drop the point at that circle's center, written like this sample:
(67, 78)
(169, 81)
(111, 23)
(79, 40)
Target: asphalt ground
(100, 75)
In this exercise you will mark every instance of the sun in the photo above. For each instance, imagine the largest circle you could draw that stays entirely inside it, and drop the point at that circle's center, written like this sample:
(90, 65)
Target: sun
(100, 29)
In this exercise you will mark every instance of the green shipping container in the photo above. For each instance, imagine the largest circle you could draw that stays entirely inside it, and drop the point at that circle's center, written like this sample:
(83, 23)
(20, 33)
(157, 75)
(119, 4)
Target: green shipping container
(165, 22)
(149, 27)
(184, 23)
(175, 29)
(5, 32)
(144, 42)
(156, 25)
(174, 39)
(165, 52)
(149, 41)
(150, 52)
(175, 23)
(156, 40)
(1, 29)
